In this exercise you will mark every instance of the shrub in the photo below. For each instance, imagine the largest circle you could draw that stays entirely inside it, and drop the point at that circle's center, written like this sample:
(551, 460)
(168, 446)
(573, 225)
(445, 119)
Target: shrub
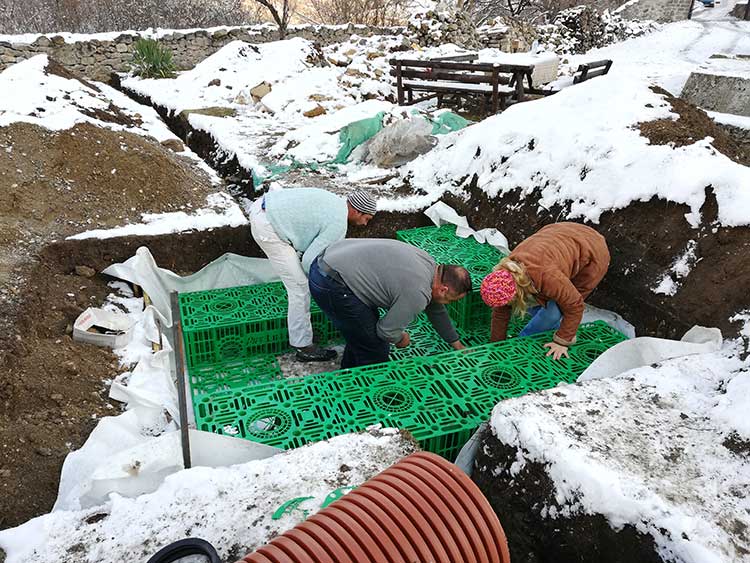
(151, 60)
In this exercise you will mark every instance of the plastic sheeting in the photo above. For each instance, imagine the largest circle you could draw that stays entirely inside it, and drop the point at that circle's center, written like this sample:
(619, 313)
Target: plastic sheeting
(228, 270)
(443, 214)
(356, 133)
(130, 454)
(645, 351)
(401, 142)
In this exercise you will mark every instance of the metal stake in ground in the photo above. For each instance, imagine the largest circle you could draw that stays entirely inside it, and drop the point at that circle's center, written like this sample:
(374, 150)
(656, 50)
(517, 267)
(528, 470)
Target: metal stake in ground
(180, 371)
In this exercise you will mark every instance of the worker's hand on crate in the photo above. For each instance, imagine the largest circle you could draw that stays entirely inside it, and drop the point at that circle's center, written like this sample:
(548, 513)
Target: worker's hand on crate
(556, 350)
(405, 340)
(458, 345)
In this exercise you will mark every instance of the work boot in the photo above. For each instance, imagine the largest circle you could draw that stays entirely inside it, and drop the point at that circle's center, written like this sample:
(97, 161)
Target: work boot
(315, 353)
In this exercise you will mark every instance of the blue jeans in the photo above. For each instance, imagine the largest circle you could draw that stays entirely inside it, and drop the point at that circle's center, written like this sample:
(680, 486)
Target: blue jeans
(543, 319)
(355, 320)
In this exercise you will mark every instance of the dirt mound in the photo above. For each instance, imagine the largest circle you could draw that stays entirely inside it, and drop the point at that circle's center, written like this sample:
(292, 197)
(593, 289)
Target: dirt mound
(692, 125)
(53, 390)
(518, 501)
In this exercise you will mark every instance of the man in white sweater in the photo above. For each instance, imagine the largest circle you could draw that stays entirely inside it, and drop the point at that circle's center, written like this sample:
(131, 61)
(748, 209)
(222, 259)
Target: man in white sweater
(292, 226)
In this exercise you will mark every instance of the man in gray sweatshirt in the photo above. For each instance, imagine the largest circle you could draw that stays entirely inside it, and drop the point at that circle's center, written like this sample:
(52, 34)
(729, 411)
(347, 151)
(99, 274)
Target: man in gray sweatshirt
(352, 278)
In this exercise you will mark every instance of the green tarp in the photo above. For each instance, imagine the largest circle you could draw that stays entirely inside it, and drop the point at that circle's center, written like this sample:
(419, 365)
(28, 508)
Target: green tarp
(358, 132)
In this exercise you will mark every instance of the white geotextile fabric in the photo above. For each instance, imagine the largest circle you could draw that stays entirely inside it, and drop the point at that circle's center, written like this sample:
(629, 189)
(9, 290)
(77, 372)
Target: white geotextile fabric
(443, 214)
(646, 350)
(130, 454)
(229, 270)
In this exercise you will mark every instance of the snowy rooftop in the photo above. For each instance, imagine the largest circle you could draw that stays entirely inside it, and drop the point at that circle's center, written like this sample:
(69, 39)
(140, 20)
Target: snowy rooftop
(652, 448)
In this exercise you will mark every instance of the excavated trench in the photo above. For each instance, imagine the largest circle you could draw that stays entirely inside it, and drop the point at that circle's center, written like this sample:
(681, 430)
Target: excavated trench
(644, 239)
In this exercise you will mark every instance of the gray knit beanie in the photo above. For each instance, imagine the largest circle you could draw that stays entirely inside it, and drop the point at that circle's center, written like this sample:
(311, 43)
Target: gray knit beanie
(363, 202)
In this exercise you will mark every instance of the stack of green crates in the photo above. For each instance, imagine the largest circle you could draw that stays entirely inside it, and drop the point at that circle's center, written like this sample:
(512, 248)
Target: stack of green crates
(440, 399)
(239, 322)
(447, 248)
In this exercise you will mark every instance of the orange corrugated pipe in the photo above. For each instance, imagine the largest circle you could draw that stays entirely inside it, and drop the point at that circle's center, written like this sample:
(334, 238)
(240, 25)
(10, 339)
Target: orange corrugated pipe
(422, 509)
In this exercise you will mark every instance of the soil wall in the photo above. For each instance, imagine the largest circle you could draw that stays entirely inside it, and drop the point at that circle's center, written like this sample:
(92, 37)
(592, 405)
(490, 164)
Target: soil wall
(644, 241)
(518, 503)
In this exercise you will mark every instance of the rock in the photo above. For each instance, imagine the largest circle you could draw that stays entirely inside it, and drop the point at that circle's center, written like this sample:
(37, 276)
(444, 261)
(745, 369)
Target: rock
(175, 145)
(257, 92)
(212, 111)
(315, 112)
(215, 82)
(44, 452)
(85, 271)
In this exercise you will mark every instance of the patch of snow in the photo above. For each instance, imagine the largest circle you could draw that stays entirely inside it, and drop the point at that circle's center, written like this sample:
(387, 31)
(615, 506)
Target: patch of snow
(221, 211)
(645, 448)
(230, 507)
(667, 57)
(595, 163)
(739, 121)
(680, 269)
(238, 66)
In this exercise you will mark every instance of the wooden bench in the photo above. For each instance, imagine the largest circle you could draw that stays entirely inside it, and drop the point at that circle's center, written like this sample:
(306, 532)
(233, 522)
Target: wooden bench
(585, 72)
(591, 70)
(498, 84)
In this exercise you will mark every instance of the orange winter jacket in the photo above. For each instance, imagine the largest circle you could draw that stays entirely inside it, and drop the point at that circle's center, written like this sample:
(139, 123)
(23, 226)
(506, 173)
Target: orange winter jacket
(565, 262)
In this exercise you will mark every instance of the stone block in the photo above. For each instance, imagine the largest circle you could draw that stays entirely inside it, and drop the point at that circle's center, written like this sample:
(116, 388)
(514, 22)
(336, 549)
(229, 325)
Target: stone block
(719, 92)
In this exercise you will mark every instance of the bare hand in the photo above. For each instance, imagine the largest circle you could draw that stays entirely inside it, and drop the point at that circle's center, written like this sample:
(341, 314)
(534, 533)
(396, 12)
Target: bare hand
(556, 350)
(458, 345)
(404, 342)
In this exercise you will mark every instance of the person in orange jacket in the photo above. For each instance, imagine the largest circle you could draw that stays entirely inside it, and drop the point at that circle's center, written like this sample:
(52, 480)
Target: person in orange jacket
(548, 275)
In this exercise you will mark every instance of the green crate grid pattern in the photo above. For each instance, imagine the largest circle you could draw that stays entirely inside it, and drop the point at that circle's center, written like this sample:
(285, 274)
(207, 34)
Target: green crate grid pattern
(425, 341)
(479, 259)
(239, 322)
(440, 399)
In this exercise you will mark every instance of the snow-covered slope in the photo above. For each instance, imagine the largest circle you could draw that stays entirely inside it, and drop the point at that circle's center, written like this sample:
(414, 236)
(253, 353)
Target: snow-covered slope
(229, 507)
(659, 448)
(583, 146)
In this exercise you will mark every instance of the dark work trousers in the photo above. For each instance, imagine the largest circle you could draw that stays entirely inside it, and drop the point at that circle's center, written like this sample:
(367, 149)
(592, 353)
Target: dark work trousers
(355, 320)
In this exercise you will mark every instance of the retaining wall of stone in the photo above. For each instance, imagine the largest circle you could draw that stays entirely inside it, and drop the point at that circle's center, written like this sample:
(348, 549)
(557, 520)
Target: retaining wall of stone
(97, 58)
(657, 10)
(739, 10)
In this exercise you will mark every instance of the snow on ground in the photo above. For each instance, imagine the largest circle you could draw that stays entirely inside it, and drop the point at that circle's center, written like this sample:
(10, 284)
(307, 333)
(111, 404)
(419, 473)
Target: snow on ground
(230, 507)
(33, 94)
(729, 119)
(597, 160)
(667, 57)
(670, 284)
(651, 448)
(221, 210)
(342, 80)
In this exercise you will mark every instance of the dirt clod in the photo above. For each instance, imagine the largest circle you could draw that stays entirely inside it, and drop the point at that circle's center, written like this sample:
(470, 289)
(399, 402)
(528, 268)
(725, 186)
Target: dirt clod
(693, 125)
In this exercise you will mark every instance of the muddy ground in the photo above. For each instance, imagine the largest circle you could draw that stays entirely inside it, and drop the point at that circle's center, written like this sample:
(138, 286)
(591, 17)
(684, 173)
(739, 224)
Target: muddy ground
(55, 184)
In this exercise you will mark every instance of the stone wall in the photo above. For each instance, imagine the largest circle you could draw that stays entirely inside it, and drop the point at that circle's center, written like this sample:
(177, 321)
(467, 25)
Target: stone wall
(657, 10)
(98, 58)
(739, 10)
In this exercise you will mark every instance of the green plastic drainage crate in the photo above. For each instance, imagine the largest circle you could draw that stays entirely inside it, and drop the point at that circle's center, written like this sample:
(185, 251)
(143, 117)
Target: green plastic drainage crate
(447, 248)
(239, 322)
(440, 399)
